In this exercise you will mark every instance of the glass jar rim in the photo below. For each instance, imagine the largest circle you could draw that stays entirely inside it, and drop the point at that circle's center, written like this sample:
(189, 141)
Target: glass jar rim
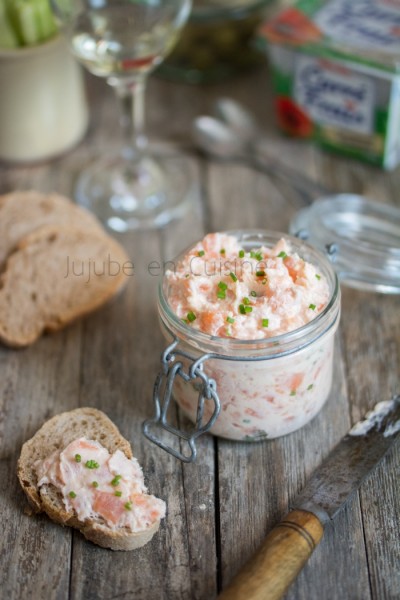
(270, 347)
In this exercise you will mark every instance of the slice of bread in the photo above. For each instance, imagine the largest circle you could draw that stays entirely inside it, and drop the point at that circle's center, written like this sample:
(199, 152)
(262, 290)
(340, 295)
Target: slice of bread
(22, 212)
(55, 275)
(56, 434)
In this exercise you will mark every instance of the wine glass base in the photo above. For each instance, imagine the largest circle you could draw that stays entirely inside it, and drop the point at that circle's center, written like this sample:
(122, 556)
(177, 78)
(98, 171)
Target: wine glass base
(127, 194)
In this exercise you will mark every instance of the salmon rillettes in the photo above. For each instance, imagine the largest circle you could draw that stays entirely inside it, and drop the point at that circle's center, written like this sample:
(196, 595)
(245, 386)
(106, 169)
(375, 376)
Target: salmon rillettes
(267, 302)
(97, 484)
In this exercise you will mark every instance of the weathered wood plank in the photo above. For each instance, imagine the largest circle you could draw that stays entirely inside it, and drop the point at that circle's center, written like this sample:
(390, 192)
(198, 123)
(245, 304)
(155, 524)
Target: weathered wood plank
(119, 362)
(371, 343)
(198, 479)
(381, 514)
(35, 384)
(261, 499)
(371, 330)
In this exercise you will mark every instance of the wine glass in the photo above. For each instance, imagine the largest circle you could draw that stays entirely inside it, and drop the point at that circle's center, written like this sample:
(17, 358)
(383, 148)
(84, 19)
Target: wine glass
(123, 41)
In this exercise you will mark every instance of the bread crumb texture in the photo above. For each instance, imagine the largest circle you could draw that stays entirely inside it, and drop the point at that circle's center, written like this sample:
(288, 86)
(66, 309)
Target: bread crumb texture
(56, 265)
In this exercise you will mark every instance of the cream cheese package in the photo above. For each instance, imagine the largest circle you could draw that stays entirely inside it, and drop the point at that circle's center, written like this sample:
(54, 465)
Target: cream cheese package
(336, 73)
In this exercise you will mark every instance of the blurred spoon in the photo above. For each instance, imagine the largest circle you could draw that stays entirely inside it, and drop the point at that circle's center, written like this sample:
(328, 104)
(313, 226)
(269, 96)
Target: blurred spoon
(238, 119)
(242, 122)
(235, 137)
(215, 138)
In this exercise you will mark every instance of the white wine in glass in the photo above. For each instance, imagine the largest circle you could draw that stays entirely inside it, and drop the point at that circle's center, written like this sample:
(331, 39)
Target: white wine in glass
(123, 41)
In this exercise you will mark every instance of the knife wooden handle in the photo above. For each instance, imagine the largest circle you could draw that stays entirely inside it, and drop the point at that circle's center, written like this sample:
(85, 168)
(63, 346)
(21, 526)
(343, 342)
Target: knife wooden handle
(285, 551)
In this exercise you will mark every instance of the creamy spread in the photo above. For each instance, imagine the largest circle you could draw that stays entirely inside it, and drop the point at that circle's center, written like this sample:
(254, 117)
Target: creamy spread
(225, 291)
(374, 418)
(98, 485)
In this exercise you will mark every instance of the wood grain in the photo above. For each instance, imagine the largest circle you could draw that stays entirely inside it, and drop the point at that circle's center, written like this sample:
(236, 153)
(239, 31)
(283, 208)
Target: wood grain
(220, 509)
(278, 561)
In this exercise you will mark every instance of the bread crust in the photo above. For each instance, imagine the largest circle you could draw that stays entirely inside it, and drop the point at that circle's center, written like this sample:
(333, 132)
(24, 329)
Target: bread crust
(22, 212)
(42, 255)
(56, 434)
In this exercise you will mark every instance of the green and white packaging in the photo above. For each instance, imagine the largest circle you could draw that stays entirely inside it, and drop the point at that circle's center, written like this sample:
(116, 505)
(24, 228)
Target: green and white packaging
(336, 73)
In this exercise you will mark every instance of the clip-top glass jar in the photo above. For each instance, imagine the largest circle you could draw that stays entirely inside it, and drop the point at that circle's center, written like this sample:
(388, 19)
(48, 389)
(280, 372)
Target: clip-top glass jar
(246, 390)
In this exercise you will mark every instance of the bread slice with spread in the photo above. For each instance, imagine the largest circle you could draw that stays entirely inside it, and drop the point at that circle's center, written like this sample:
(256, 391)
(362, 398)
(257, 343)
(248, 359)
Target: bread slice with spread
(80, 471)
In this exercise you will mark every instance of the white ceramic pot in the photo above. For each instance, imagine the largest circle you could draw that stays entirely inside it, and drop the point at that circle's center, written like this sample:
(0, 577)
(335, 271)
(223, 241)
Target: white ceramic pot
(43, 109)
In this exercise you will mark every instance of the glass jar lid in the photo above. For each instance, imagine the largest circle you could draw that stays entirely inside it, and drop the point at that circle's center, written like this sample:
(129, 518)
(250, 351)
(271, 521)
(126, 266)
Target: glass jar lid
(361, 237)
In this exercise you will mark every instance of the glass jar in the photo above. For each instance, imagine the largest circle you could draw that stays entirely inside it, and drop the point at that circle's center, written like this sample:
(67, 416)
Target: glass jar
(218, 41)
(247, 390)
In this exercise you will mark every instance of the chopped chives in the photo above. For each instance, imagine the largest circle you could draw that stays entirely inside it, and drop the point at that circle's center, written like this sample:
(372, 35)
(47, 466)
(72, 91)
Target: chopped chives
(222, 251)
(293, 393)
(201, 253)
(116, 480)
(318, 276)
(282, 254)
(191, 317)
(264, 281)
(312, 306)
(246, 301)
(260, 273)
(118, 493)
(245, 309)
(78, 458)
(233, 276)
(254, 294)
(241, 253)
(95, 484)
(265, 322)
(230, 320)
(72, 495)
(128, 505)
(92, 464)
(259, 256)
(310, 387)
(221, 293)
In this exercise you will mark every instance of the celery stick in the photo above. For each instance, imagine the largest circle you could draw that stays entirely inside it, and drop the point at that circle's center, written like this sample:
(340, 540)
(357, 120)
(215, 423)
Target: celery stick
(28, 23)
(10, 7)
(45, 19)
(32, 20)
(8, 38)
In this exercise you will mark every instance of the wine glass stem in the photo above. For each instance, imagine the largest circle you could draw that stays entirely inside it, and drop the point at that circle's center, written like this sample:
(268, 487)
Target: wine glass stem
(132, 117)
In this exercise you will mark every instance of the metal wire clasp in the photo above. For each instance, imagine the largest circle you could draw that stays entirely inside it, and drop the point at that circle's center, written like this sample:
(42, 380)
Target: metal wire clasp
(163, 389)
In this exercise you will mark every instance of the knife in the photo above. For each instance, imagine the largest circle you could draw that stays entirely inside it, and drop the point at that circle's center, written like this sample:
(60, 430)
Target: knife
(286, 549)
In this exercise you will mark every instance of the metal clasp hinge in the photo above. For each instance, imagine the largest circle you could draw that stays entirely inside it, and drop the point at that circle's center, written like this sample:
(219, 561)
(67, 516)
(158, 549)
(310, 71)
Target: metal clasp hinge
(162, 394)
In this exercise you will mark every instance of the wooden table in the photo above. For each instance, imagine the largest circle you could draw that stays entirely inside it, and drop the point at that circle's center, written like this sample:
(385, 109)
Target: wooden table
(219, 509)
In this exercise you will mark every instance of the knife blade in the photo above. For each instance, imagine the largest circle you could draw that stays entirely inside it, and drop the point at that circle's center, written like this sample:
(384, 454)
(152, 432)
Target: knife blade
(286, 549)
